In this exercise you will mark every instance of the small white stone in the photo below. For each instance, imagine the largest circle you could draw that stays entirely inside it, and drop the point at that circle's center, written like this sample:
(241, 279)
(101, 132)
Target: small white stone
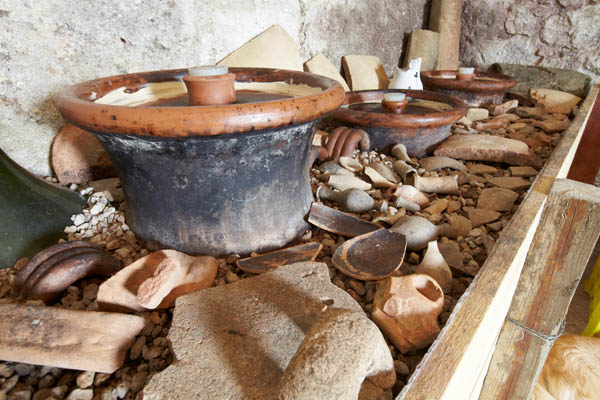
(79, 219)
(70, 229)
(85, 379)
(97, 208)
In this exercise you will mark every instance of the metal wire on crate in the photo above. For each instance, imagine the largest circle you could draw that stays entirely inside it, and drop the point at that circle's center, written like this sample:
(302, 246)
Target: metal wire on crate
(533, 332)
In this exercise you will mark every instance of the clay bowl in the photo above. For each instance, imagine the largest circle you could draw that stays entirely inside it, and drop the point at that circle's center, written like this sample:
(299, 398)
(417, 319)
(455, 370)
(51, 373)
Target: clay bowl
(216, 179)
(424, 123)
(485, 88)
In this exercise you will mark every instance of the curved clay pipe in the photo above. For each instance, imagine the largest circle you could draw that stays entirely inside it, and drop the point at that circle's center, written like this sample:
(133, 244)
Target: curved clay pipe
(52, 270)
(318, 152)
(343, 141)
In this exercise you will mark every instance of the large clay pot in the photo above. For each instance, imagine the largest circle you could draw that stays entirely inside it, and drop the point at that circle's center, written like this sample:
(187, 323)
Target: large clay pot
(215, 179)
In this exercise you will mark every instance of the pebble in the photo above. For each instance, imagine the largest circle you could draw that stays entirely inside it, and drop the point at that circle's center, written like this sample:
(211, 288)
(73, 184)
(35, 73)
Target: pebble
(23, 369)
(138, 346)
(9, 383)
(231, 277)
(81, 394)
(401, 367)
(6, 371)
(85, 379)
(20, 395)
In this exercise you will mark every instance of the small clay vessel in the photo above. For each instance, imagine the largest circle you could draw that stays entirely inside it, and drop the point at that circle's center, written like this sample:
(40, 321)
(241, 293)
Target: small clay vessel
(351, 164)
(394, 102)
(208, 86)
(333, 168)
(437, 184)
(403, 169)
(343, 182)
(353, 200)
(406, 309)
(418, 231)
(408, 205)
(434, 265)
(466, 74)
(377, 179)
(332, 220)
(385, 171)
(399, 151)
(411, 193)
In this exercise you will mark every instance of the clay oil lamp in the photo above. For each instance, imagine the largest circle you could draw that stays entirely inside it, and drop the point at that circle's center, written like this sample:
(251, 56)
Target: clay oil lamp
(394, 102)
(210, 85)
(466, 74)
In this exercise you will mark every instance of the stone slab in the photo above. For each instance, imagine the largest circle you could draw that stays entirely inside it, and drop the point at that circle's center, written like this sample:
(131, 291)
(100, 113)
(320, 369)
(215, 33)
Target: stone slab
(497, 199)
(321, 65)
(247, 339)
(78, 157)
(56, 337)
(485, 148)
(364, 72)
(425, 44)
(445, 17)
(273, 48)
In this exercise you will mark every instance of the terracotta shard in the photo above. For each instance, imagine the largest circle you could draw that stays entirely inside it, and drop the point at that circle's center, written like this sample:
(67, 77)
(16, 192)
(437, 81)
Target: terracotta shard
(438, 162)
(554, 100)
(481, 216)
(332, 220)
(268, 261)
(273, 48)
(505, 107)
(451, 252)
(510, 182)
(523, 171)
(84, 340)
(167, 275)
(364, 72)
(321, 65)
(371, 256)
(119, 292)
(482, 169)
(531, 112)
(552, 125)
(78, 157)
(485, 148)
(497, 199)
(437, 206)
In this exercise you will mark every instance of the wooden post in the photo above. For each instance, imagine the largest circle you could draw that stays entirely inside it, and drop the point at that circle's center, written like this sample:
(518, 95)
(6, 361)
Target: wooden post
(445, 17)
(564, 240)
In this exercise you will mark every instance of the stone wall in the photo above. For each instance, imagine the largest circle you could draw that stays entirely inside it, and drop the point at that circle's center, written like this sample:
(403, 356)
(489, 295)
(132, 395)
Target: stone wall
(48, 45)
(550, 33)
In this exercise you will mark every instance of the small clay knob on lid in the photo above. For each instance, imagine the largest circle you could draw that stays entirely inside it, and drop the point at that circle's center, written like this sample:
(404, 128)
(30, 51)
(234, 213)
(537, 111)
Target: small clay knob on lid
(466, 74)
(210, 85)
(394, 102)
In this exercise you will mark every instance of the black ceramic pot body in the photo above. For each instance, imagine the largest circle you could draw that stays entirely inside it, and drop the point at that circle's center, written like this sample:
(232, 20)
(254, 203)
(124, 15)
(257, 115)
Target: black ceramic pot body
(216, 195)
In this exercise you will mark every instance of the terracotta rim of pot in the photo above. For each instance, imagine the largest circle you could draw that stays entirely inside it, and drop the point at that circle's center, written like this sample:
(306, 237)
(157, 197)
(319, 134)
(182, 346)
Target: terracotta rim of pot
(401, 120)
(502, 84)
(77, 105)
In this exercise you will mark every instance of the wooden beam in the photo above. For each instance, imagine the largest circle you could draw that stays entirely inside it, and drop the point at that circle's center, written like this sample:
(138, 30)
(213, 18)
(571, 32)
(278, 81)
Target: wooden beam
(451, 367)
(564, 240)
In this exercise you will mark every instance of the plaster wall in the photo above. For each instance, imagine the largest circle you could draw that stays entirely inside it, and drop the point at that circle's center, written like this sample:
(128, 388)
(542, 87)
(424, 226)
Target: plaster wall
(46, 46)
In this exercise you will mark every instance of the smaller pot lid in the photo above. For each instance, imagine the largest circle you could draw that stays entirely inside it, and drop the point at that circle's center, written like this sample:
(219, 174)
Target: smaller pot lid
(263, 103)
(425, 109)
(483, 81)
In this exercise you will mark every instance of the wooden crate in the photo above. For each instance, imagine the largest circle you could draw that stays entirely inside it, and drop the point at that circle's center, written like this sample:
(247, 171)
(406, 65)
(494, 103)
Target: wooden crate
(456, 364)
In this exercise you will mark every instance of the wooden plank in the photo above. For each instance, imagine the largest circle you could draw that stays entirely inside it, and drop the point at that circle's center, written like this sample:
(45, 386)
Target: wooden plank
(566, 236)
(56, 337)
(586, 163)
(457, 358)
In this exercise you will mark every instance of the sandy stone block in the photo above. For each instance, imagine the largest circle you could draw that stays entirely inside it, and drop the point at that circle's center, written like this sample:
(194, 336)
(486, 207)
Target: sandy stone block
(273, 48)
(321, 65)
(425, 44)
(119, 292)
(78, 157)
(364, 72)
(477, 114)
(497, 199)
(445, 18)
(83, 340)
(485, 148)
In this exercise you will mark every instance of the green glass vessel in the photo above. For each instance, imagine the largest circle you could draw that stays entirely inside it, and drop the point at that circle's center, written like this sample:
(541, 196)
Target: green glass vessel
(33, 212)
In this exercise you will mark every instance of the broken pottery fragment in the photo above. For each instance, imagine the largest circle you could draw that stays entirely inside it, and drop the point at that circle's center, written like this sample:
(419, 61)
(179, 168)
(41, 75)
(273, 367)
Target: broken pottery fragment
(499, 109)
(385, 171)
(525, 171)
(491, 125)
(482, 169)
(350, 163)
(436, 184)
(335, 221)
(497, 199)
(364, 72)
(509, 182)
(403, 169)
(418, 231)
(168, 274)
(269, 261)
(451, 252)
(56, 337)
(481, 216)
(412, 194)
(508, 117)
(485, 148)
(437, 206)
(439, 162)
(554, 101)
(377, 179)
(333, 168)
(353, 200)
(78, 157)
(531, 112)
(55, 268)
(344, 182)
(552, 125)
(434, 265)
(408, 205)
(119, 292)
(371, 256)
(477, 114)
(321, 65)
(401, 153)
(459, 226)
(288, 333)
(406, 308)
